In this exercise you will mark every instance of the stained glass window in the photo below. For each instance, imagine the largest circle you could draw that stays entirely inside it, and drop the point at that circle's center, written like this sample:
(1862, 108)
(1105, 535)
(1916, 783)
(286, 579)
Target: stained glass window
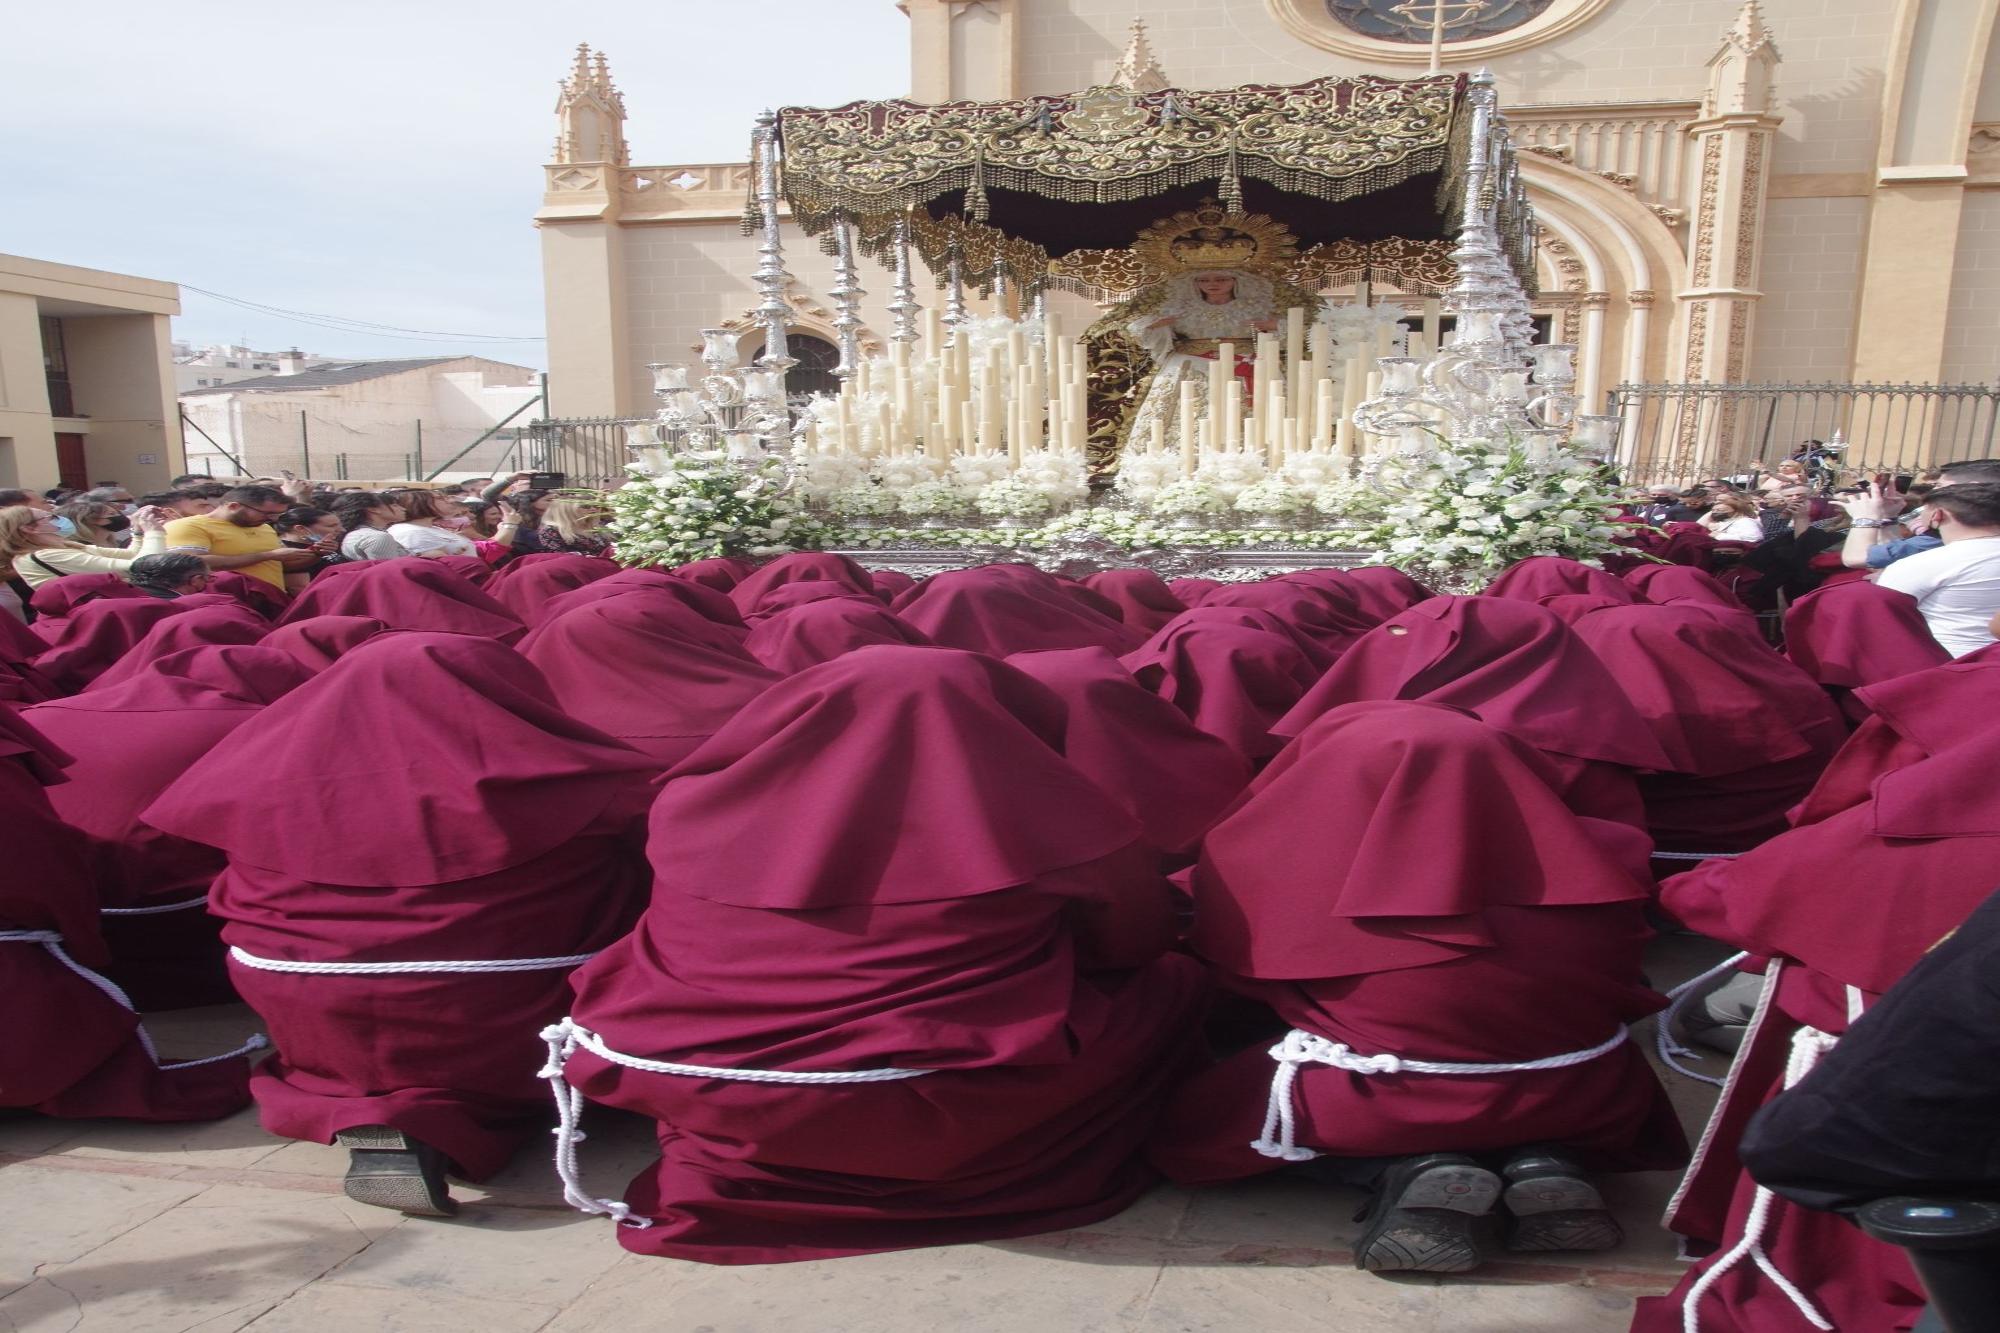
(1410, 20)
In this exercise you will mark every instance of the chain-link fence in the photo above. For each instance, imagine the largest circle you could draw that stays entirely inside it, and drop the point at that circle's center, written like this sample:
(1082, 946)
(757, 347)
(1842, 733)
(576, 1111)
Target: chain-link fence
(1684, 432)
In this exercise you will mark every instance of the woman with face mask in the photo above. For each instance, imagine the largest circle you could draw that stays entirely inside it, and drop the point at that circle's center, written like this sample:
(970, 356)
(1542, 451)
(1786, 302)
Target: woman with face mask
(32, 544)
(431, 522)
(95, 522)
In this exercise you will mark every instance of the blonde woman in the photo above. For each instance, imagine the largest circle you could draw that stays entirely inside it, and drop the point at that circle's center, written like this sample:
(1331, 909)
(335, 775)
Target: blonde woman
(1732, 517)
(561, 523)
(33, 548)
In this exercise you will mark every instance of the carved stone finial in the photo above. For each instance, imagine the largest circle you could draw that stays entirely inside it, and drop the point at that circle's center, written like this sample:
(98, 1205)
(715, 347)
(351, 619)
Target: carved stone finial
(1139, 69)
(590, 112)
(1742, 70)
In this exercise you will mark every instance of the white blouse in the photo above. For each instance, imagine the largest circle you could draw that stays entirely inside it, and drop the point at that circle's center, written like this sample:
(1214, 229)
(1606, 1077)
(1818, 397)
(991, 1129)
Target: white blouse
(420, 537)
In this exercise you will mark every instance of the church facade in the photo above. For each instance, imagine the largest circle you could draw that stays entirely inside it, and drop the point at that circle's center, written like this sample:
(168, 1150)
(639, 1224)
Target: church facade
(1729, 190)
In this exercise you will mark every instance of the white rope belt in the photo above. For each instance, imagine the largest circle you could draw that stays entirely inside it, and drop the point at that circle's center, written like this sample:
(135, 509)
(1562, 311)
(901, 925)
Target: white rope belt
(1302, 1048)
(1668, 1048)
(1696, 856)
(566, 1037)
(399, 969)
(1808, 1045)
(52, 941)
(155, 911)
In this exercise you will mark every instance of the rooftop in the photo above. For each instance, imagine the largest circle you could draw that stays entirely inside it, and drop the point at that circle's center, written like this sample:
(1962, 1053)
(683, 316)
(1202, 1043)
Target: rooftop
(324, 375)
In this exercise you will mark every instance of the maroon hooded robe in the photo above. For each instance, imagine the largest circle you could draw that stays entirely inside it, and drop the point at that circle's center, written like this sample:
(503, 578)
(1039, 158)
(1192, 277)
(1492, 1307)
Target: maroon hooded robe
(69, 1048)
(1403, 879)
(617, 666)
(354, 835)
(1515, 666)
(406, 594)
(130, 740)
(1746, 733)
(941, 892)
(1893, 849)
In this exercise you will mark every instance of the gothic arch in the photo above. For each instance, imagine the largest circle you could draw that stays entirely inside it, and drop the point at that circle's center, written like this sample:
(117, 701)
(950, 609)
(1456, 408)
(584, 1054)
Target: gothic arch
(1630, 258)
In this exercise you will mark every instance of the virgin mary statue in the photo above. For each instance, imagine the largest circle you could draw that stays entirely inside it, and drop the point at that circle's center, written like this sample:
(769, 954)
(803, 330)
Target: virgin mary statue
(1219, 279)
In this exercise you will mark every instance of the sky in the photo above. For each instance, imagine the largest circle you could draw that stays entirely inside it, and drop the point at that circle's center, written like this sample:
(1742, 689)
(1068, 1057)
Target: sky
(377, 161)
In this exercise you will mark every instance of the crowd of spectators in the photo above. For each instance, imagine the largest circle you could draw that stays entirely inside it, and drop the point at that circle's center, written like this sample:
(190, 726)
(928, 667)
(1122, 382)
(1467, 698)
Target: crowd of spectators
(283, 531)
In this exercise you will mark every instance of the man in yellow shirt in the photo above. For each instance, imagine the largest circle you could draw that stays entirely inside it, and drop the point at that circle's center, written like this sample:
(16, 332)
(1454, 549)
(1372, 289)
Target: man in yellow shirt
(237, 534)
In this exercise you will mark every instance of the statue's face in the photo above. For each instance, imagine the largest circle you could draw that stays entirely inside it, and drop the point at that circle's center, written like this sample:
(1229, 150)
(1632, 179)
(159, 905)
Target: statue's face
(1216, 288)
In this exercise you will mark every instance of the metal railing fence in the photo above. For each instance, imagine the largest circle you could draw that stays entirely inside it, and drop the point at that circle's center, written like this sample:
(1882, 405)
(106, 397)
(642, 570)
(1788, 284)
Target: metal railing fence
(589, 451)
(1684, 432)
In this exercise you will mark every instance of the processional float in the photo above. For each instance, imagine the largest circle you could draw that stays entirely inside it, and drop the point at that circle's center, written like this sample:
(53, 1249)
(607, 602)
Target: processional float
(1209, 223)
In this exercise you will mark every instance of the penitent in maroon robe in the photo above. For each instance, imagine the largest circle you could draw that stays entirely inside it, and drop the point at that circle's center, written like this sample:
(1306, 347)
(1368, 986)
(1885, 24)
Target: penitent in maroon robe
(69, 1048)
(621, 667)
(1004, 609)
(942, 892)
(1232, 680)
(1512, 665)
(1853, 635)
(350, 841)
(406, 594)
(805, 636)
(1167, 773)
(1746, 733)
(1892, 850)
(130, 740)
(1404, 879)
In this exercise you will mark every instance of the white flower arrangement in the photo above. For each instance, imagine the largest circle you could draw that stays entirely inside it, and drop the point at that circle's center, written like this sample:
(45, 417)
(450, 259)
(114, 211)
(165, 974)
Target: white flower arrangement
(934, 497)
(1229, 473)
(1467, 510)
(822, 475)
(975, 472)
(1313, 472)
(1056, 474)
(699, 505)
(1140, 476)
(1350, 498)
(1011, 497)
(1191, 495)
(1272, 495)
(861, 500)
(902, 471)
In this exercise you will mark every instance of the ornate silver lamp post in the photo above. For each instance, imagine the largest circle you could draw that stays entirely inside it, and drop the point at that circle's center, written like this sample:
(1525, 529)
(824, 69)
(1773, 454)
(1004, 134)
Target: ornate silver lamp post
(734, 409)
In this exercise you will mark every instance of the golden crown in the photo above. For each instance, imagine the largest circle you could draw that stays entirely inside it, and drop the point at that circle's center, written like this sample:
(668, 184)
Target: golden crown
(1209, 236)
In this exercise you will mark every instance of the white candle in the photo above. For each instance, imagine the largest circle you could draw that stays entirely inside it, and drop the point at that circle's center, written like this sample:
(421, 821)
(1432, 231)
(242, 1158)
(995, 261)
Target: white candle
(1156, 444)
(1185, 424)
(1232, 414)
(1296, 380)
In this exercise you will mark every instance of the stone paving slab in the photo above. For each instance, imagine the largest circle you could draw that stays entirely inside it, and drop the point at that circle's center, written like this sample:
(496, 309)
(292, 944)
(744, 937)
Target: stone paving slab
(112, 1227)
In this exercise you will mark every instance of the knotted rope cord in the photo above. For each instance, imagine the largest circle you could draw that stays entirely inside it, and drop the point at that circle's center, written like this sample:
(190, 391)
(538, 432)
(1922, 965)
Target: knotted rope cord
(154, 911)
(1301, 1048)
(1664, 1045)
(566, 1037)
(400, 969)
(1808, 1045)
(52, 941)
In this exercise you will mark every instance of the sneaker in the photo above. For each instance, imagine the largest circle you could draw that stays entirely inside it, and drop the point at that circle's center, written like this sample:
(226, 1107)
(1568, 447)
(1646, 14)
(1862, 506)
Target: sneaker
(389, 1169)
(1551, 1205)
(1428, 1217)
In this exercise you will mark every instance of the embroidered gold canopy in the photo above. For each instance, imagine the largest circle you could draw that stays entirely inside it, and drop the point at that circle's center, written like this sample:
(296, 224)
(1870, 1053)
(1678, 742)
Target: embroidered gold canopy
(1005, 187)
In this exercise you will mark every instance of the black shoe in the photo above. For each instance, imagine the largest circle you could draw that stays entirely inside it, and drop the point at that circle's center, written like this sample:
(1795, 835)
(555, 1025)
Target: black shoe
(389, 1169)
(1429, 1216)
(1551, 1205)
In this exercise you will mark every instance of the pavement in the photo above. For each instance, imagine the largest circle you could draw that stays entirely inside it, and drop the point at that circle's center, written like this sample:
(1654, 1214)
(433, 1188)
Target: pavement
(109, 1225)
